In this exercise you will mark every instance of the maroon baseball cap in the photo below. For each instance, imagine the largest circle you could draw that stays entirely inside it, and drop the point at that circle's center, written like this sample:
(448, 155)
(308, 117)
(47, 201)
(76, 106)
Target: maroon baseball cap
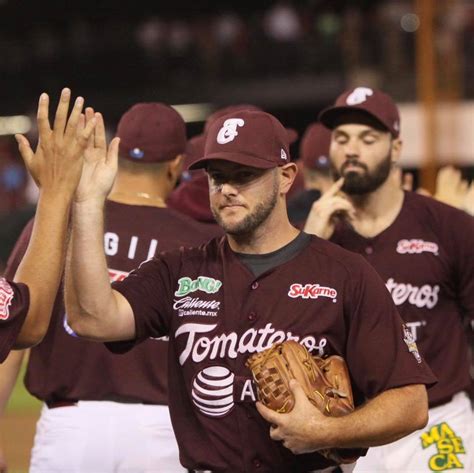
(250, 137)
(199, 141)
(151, 132)
(314, 146)
(372, 103)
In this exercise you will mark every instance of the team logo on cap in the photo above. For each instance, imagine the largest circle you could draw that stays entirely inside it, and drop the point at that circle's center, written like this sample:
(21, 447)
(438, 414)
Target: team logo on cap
(359, 95)
(229, 130)
(136, 153)
(283, 155)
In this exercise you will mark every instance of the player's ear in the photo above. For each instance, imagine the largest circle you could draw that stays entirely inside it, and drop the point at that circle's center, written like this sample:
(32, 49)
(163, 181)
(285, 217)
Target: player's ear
(288, 174)
(175, 167)
(396, 150)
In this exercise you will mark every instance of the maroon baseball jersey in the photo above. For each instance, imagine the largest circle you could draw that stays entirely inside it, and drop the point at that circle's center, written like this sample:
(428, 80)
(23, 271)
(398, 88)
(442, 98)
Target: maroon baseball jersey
(64, 367)
(426, 259)
(14, 304)
(217, 313)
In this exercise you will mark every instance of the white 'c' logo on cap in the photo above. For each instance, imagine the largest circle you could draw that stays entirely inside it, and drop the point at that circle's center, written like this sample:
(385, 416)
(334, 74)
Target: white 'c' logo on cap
(359, 95)
(229, 130)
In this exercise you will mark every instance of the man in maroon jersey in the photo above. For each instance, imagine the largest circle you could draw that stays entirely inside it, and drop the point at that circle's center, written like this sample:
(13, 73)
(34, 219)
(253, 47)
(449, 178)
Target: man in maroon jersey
(423, 251)
(112, 410)
(262, 283)
(25, 304)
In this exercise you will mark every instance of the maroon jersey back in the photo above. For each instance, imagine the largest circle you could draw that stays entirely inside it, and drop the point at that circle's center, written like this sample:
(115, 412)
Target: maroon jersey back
(14, 303)
(68, 368)
(217, 313)
(426, 259)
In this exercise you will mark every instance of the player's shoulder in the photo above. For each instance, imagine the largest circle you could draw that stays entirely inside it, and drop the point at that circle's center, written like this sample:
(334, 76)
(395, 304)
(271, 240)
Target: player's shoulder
(333, 254)
(432, 206)
(206, 251)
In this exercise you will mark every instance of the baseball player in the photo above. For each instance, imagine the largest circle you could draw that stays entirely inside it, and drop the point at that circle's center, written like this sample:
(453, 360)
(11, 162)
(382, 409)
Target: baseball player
(262, 283)
(112, 410)
(422, 250)
(56, 166)
(316, 170)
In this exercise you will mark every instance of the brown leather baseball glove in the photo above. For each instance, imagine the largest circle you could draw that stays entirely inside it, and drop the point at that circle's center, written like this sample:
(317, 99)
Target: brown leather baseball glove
(326, 383)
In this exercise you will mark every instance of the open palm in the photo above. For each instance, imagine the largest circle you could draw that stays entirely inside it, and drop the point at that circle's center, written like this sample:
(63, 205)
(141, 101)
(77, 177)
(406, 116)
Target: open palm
(100, 162)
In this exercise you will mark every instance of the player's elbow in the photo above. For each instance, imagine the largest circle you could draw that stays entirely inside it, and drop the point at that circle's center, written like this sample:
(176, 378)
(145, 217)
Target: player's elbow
(418, 411)
(30, 335)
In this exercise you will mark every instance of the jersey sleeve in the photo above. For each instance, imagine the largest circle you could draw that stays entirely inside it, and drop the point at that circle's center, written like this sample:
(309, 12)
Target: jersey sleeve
(14, 303)
(148, 290)
(381, 351)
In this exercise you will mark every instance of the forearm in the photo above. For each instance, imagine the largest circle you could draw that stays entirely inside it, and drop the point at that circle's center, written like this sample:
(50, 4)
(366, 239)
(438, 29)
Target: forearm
(388, 417)
(90, 301)
(42, 266)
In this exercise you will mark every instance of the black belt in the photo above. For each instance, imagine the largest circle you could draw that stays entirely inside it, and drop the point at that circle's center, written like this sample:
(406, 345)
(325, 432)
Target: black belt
(60, 403)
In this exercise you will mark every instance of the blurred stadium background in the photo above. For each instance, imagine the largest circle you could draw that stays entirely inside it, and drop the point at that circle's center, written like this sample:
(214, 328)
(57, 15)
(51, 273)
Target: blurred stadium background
(291, 58)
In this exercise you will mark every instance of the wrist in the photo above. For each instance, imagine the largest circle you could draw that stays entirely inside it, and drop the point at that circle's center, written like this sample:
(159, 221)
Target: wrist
(56, 198)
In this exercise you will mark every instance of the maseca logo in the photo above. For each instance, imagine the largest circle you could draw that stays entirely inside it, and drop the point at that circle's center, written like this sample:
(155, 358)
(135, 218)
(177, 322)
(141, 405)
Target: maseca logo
(448, 444)
(312, 291)
(6, 297)
(229, 130)
(417, 246)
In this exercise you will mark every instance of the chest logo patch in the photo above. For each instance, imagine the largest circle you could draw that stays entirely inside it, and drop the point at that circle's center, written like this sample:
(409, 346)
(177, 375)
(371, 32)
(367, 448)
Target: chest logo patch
(448, 445)
(202, 283)
(416, 246)
(213, 391)
(312, 291)
(6, 297)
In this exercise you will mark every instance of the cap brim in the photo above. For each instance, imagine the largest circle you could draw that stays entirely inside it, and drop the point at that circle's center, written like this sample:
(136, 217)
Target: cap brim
(243, 159)
(329, 117)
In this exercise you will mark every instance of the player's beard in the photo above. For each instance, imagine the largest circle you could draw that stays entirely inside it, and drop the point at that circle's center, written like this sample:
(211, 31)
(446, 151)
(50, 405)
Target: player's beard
(359, 183)
(253, 220)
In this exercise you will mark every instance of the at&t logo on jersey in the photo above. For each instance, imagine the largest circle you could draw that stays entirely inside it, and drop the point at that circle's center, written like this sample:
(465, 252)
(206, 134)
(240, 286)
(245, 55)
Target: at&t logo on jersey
(312, 291)
(213, 391)
(416, 246)
(6, 297)
(202, 283)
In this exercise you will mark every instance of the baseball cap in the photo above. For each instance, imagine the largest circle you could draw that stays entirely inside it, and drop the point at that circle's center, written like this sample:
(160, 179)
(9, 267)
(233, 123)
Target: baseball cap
(151, 132)
(250, 137)
(372, 103)
(200, 140)
(314, 147)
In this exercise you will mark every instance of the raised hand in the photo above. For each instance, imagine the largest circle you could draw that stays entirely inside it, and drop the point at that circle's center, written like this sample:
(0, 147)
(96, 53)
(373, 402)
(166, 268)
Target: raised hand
(56, 164)
(323, 216)
(100, 162)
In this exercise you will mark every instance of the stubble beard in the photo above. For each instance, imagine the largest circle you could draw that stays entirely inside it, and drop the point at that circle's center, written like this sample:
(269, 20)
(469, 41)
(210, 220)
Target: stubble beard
(252, 221)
